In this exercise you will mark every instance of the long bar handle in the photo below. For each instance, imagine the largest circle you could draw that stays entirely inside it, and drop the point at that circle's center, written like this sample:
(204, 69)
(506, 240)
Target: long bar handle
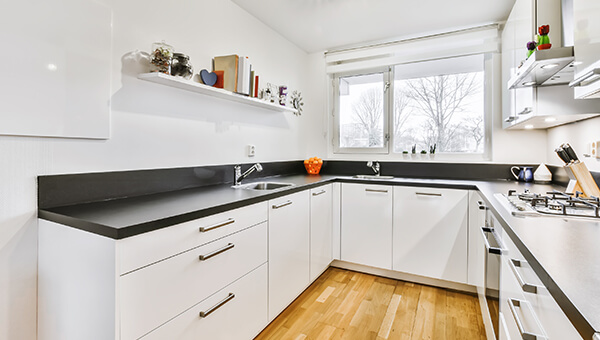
(376, 190)
(490, 249)
(577, 82)
(275, 206)
(525, 111)
(527, 287)
(216, 252)
(512, 304)
(217, 306)
(217, 225)
(319, 193)
(428, 194)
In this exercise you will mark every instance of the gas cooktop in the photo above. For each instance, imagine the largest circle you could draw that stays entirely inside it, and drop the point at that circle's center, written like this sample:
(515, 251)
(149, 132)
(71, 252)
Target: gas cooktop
(553, 203)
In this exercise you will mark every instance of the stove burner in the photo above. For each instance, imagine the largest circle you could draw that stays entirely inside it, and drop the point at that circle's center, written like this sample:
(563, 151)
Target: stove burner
(555, 203)
(556, 206)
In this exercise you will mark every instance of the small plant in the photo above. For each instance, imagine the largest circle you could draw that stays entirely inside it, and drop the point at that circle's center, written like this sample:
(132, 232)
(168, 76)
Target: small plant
(432, 149)
(405, 152)
(414, 149)
(423, 152)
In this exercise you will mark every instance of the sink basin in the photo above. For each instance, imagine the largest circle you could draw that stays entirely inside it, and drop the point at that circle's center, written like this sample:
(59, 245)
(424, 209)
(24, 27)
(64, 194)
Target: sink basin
(264, 186)
(373, 177)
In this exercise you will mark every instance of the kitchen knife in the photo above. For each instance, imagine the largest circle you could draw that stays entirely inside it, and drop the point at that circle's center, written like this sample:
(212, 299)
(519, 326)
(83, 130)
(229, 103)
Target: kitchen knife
(570, 152)
(563, 155)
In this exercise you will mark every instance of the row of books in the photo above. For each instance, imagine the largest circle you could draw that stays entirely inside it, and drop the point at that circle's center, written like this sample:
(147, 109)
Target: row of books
(238, 75)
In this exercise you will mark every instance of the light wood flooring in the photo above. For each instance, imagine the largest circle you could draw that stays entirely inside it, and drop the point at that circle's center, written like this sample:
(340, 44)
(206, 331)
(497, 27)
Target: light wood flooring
(342, 304)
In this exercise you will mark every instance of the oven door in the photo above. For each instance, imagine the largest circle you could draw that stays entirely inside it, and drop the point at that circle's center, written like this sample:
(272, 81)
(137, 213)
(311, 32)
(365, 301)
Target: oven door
(493, 252)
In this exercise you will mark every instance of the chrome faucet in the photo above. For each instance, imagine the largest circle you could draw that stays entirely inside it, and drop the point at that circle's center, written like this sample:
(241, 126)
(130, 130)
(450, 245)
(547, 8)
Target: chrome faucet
(375, 166)
(239, 176)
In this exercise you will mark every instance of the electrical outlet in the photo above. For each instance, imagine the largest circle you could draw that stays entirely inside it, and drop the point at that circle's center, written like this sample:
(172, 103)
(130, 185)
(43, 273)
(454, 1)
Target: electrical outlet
(594, 149)
(251, 150)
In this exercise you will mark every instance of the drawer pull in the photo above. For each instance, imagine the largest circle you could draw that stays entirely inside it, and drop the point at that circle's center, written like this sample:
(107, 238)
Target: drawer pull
(492, 250)
(216, 252)
(275, 206)
(527, 287)
(589, 75)
(319, 193)
(513, 304)
(217, 306)
(217, 225)
(376, 190)
(428, 194)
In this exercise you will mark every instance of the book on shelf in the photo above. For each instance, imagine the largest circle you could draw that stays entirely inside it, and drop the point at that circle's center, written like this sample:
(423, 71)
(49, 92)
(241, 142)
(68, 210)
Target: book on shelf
(229, 65)
(256, 86)
(244, 68)
(251, 80)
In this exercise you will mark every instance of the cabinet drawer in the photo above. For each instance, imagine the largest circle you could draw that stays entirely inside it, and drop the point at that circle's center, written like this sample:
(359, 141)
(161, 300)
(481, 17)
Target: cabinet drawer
(144, 249)
(240, 316)
(154, 294)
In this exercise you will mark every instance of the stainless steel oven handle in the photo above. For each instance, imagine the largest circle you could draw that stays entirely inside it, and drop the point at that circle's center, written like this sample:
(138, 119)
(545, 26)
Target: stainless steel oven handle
(527, 287)
(217, 306)
(512, 304)
(490, 249)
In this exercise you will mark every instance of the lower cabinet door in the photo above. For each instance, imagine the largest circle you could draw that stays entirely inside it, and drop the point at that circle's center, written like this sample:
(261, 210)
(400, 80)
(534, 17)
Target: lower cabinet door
(367, 224)
(430, 232)
(238, 311)
(289, 258)
(320, 230)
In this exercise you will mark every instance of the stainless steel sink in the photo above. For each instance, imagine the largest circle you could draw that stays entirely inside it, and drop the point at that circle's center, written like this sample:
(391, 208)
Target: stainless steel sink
(263, 186)
(373, 177)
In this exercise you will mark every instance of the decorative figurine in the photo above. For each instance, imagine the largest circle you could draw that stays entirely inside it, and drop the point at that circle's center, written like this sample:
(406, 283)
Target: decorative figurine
(530, 48)
(161, 57)
(543, 39)
(282, 95)
(181, 66)
(296, 102)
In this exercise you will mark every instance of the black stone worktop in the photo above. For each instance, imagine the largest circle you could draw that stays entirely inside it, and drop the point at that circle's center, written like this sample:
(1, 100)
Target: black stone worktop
(565, 253)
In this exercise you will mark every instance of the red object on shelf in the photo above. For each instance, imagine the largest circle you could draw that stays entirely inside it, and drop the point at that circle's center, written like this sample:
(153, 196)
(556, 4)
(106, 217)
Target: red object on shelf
(219, 83)
(544, 47)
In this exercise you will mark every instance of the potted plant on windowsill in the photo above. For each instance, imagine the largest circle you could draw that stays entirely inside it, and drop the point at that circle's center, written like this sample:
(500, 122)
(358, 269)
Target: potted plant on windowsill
(432, 151)
(405, 154)
(413, 152)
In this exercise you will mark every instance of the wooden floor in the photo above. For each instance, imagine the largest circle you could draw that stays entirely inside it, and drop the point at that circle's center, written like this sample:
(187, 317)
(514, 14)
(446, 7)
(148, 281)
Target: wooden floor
(342, 304)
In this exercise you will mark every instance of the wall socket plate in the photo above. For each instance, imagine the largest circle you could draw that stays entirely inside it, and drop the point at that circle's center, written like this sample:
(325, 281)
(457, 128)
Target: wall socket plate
(251, 150)
(594, 149)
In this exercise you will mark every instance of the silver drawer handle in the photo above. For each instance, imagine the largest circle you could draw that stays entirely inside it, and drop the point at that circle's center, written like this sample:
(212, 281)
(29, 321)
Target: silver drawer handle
(577, 82)
(512, 304)
(275, 206)
(216, 252)
(217, 225)
(428, 194)
(319, 193)
(527, 287)
(376, 190)
(217, 306)
(490, 249)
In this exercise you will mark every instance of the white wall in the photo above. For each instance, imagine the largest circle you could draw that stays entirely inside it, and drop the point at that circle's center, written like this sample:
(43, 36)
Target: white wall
(579, 135)
(151, 126)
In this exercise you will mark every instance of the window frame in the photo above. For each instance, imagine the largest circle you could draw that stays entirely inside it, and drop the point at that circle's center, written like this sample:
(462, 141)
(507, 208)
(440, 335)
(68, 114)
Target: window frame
(387, 79)
(387, 152)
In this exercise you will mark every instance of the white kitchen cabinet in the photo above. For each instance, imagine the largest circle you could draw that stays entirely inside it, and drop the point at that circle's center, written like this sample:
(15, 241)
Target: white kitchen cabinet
(540, 312)
(587, 47)
(289, 245)
(366, 225)
(430, 232)
(239, 311)
(321, 231)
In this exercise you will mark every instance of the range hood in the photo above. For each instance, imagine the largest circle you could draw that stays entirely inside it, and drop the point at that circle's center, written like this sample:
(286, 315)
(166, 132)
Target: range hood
(545, 67)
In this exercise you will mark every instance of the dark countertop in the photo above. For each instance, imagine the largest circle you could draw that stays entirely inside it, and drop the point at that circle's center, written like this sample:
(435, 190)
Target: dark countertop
(564, 253)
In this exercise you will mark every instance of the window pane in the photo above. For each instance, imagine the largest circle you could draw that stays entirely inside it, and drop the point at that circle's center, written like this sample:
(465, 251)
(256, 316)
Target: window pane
(361, 111)
(444, 109)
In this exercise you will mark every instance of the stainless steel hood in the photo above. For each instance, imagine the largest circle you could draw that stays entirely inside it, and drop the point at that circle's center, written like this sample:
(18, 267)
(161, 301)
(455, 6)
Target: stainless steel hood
(546, 67)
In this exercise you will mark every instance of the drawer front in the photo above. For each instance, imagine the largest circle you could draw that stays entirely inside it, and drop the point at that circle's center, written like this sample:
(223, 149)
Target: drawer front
(241, 316)
(154, 294)
(142, 250)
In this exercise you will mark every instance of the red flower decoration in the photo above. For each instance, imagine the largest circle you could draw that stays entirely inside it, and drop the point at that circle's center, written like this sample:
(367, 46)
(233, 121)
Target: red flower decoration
(544, 29)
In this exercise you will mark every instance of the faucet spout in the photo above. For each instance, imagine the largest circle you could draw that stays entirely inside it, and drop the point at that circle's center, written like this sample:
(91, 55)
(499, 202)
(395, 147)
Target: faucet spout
(375, 166)
(239, 176)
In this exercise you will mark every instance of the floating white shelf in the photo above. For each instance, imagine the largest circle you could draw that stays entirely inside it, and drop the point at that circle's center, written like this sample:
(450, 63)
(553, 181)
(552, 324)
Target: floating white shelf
(189, 85)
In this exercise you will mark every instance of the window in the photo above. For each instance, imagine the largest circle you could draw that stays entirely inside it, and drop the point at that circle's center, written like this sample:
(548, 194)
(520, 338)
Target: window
(421, 105)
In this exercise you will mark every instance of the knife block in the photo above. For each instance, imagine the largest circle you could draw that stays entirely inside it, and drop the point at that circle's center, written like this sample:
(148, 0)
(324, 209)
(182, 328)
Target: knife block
(581, 180)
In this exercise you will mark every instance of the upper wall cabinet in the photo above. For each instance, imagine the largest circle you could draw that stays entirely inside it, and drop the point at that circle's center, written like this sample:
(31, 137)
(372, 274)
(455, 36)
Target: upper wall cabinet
(57, 67)
(527, 104)
(587, 48)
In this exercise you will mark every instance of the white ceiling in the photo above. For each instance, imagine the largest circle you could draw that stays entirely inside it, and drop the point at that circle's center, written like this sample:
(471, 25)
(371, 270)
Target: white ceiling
(319, 25)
